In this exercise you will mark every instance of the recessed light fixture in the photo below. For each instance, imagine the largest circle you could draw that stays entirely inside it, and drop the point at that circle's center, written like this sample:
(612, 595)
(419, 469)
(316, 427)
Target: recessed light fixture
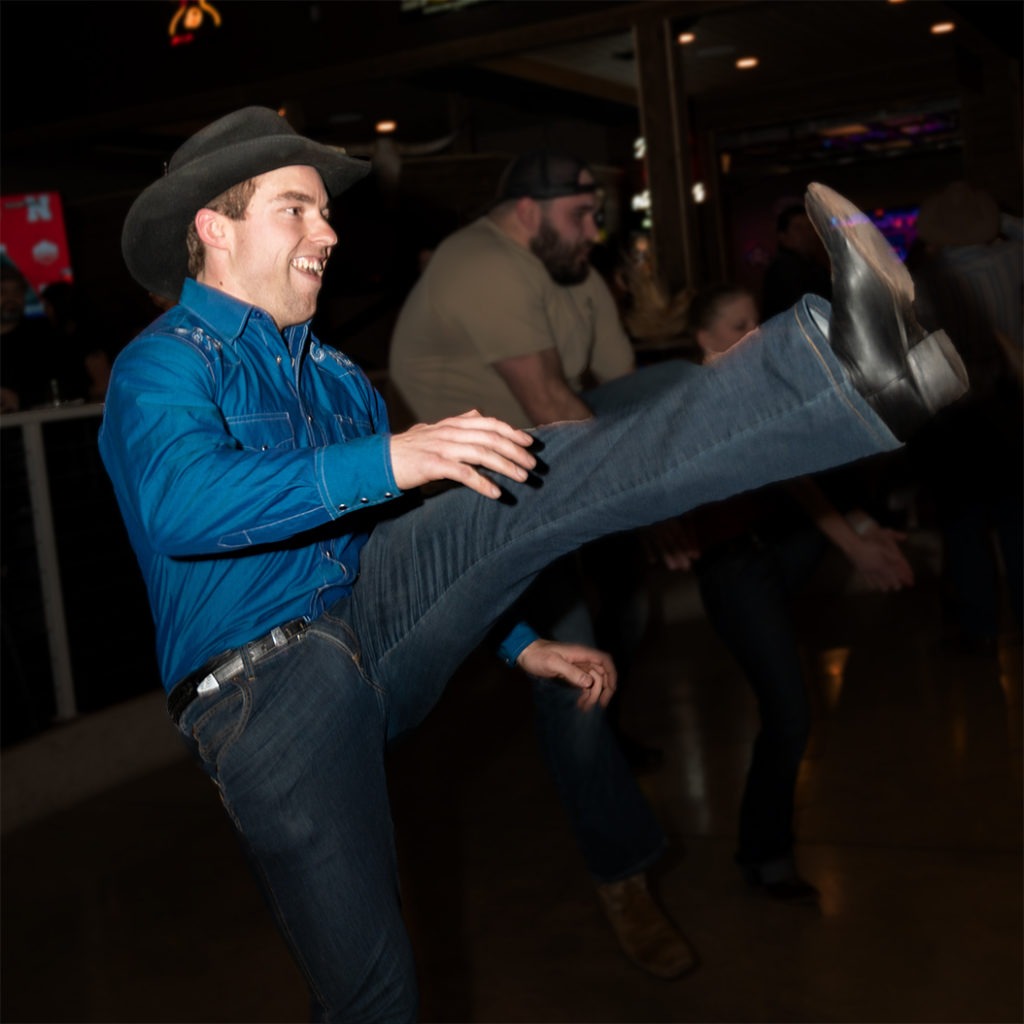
(843, 130)
(746, 62)
(941, 28)
(685, 37)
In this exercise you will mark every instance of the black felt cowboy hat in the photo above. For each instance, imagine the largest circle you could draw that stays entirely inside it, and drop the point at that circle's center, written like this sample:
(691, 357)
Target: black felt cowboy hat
(234, 148)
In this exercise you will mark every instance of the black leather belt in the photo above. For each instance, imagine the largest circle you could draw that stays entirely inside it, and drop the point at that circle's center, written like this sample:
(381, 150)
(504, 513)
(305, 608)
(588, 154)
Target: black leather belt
(219, 669)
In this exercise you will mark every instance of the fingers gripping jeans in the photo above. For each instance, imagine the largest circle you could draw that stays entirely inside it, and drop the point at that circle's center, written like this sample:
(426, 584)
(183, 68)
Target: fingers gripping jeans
(297, 747)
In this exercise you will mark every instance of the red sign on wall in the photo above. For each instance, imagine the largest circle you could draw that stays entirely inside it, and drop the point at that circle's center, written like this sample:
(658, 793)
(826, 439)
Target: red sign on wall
(32, 237)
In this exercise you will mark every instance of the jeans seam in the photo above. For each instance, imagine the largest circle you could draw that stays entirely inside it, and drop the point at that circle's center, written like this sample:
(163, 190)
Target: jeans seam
(836, 385)
(703, 453)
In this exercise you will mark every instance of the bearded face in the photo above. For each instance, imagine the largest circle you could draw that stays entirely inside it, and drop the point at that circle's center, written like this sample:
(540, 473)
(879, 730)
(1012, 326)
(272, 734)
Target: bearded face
(566, 261)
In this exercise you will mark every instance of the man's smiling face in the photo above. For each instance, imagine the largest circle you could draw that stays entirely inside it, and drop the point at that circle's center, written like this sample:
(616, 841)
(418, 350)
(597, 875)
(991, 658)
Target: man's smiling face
(275, 255)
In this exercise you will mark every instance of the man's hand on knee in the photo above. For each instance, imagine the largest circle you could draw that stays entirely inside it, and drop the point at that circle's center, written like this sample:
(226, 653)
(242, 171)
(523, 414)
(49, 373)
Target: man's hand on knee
(456, 448)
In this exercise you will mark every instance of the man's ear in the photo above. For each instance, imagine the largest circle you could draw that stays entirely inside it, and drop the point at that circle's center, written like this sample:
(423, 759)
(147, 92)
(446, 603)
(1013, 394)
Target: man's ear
(211, 228)
(528, 213)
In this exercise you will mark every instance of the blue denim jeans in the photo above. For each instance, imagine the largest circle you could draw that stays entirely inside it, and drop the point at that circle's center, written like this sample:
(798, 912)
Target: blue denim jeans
(747, 589)
(297, 744)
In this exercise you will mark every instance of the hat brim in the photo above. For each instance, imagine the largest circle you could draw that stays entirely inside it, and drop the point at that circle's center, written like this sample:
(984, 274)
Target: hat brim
(153, 239)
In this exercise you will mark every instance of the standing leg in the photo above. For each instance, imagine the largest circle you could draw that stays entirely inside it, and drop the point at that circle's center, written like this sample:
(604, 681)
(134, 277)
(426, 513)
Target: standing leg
(616, 569)
(747, 595)
(615, 829)
(296, 747)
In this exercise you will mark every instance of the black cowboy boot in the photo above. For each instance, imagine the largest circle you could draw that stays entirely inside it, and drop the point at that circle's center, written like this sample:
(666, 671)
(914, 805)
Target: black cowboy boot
(906, 374)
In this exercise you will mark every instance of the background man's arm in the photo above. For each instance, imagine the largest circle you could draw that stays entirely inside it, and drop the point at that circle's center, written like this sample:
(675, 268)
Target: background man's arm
(537, 381)
(872, 549)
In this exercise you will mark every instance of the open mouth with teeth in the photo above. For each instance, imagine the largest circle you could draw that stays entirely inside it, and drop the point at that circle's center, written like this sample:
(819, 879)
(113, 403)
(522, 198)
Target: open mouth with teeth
(310, 266)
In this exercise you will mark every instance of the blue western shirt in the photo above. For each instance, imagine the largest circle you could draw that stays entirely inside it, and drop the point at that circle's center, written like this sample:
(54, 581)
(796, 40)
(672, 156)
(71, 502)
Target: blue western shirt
(230, 446)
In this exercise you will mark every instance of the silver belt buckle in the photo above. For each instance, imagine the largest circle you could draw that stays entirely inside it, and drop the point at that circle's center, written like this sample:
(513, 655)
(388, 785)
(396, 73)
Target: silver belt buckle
(226, 670)
(208, 685)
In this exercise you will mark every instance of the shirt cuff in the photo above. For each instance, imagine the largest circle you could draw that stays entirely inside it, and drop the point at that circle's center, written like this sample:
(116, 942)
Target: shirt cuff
(519, 637)
(355, 474)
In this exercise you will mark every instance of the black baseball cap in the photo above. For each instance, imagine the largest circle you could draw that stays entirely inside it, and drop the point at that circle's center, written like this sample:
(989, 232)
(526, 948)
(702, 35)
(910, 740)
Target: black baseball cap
(541, 174)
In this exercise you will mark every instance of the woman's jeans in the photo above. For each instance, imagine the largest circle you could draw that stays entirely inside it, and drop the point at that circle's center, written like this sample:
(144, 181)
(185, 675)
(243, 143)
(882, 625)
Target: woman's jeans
(747, 588)
(297, 745)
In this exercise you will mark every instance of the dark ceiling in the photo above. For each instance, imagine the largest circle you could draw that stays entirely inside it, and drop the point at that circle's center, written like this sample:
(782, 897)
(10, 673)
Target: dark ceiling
(104, 74)
(95, 97)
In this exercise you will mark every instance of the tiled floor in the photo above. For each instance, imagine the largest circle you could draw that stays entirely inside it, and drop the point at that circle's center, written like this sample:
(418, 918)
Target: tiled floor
(134, 905)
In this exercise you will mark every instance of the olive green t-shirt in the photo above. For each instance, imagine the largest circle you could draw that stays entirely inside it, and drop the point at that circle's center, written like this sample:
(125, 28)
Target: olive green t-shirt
(483, 298)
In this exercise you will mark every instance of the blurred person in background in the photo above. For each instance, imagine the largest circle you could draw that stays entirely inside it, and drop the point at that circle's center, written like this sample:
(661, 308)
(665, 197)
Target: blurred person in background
(969, 275)
(80, 334)
(800, 266)
(752, 554)
(36, 367)
(510, 318)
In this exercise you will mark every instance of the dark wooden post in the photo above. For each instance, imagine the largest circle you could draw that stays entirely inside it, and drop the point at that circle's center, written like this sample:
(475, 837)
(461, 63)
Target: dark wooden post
(664, 122)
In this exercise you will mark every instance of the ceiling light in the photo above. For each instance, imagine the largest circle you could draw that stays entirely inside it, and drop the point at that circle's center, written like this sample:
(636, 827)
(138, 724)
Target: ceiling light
(940, 28)
(746, 62)
(840, 131)
(385, 127)
(685, 37)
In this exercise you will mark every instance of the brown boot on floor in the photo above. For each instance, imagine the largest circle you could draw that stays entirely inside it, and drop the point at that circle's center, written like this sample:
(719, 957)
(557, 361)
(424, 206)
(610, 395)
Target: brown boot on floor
(645, 934)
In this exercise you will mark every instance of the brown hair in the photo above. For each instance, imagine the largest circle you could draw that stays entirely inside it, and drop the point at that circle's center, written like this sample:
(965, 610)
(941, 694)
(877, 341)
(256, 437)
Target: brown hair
(232, 204)
(704, 306)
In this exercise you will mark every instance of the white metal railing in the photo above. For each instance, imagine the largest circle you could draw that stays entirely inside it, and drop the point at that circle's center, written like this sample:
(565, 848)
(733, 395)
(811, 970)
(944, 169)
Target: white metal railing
(31, 424)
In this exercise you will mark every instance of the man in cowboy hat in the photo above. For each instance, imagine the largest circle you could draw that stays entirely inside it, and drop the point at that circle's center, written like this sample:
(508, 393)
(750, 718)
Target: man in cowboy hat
(311, 602)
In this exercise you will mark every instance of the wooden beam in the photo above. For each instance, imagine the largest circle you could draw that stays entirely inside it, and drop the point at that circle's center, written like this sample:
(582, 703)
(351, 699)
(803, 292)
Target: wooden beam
(540, 71)
(664, 123)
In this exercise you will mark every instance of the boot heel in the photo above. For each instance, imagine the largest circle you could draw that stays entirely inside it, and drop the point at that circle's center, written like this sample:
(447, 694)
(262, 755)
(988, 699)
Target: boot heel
(937, 371)
(933, 377)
